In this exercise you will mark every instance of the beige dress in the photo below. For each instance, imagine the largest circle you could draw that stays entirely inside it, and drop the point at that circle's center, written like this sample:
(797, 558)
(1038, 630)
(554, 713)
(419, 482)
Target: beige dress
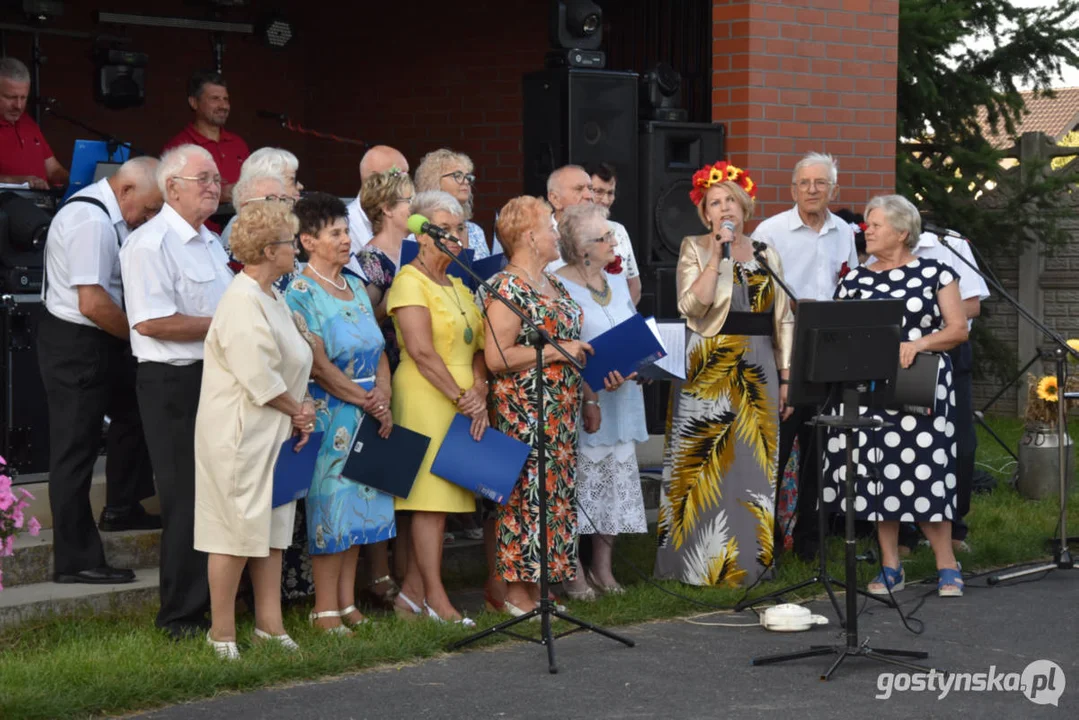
(253, 353)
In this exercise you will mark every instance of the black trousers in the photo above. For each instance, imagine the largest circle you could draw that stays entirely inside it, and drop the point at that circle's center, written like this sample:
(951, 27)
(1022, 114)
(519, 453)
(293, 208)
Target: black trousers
(798, 426)
(88, 374)
(966, 437)
(169, 400)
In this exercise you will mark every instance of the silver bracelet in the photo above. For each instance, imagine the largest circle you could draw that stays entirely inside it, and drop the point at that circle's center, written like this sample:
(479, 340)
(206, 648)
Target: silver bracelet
(592, 402)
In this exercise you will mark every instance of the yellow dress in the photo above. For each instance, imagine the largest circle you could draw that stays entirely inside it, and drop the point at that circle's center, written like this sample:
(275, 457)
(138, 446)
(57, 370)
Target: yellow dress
(417, 405)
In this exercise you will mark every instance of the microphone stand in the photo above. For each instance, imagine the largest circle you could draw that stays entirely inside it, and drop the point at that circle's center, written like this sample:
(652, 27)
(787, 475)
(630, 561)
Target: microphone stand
(1062, 558)
(546, 607)
(112, 142)
(822, 576)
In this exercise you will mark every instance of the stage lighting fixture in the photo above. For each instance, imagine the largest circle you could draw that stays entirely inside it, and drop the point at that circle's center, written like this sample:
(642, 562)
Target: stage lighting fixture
(42, 10)
(27, 225)
(662, 91)
(121, 78)
(276, 32)
(576, 34)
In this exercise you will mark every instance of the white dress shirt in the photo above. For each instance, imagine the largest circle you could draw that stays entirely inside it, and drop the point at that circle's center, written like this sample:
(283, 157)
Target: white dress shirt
(169, 268)
(971, 284)
(812, 260)
(83, 248)
(360, 231)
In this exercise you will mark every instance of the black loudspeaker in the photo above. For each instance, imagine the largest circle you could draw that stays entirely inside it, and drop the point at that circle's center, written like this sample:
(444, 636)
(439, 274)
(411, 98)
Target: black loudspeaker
(670, 153)
(24, 436)
(574, 116)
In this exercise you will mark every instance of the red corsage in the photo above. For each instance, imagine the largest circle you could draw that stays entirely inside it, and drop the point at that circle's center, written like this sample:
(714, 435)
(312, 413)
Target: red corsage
(843, 271)
(235, 266)
(614, 267)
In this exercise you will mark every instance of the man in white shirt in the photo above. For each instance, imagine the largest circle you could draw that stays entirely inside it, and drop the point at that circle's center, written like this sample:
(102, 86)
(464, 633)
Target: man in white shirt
(604, 191)
(814, 246)
(380, 158)
(175, 272)
(567, 186)
(88, 372)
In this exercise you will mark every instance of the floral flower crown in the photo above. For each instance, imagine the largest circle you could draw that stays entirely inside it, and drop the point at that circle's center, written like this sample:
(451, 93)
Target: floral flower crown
(719, 172)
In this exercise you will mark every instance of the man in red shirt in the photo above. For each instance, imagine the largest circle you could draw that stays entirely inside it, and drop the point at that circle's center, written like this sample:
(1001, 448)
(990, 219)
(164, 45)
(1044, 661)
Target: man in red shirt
(25, 157)
(208, 96)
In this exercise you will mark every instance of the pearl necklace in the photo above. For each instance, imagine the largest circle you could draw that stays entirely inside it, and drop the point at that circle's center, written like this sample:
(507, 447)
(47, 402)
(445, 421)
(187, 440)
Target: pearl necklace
(342, 287)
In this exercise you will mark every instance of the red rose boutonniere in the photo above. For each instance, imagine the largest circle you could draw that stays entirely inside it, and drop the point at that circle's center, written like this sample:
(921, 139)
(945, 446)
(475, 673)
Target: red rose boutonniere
(235, 266)
(844, 270)
(615, 266)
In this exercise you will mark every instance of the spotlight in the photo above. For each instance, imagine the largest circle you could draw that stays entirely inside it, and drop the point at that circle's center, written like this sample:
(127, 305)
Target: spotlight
(662, 91)
(276, 32)
(576, 34)
(121, 78)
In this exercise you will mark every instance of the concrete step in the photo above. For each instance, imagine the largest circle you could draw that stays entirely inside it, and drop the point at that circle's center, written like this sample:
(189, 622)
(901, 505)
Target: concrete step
(33, 559)
(30, 602)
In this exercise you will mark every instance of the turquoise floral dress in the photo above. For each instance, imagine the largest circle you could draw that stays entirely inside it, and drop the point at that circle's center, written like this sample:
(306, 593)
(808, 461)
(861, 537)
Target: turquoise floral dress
(340, 513)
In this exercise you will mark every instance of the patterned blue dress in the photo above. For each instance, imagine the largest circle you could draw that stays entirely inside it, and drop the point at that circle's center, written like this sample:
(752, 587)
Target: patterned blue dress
(340, 513)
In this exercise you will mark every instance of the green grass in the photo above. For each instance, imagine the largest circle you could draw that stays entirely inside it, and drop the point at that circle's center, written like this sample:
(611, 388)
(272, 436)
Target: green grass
(84, 666)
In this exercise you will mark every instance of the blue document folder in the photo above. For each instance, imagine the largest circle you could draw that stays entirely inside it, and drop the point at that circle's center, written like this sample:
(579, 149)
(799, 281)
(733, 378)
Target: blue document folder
(490, 468)
(626, 348)
(293, 470)
(411, 248)
(385, 464)
(488, 266)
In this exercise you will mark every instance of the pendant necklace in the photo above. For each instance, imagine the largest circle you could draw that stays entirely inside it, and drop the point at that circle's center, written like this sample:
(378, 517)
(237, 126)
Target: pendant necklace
(342, 287)
(602, 297)
(535, 285)
(452, 293)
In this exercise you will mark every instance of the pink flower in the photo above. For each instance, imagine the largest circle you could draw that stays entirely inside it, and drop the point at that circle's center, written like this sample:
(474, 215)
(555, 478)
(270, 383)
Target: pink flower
(17, 516)
(26, 494)
(6, 499)
(34, 527)
(1, 579)
(8, 547)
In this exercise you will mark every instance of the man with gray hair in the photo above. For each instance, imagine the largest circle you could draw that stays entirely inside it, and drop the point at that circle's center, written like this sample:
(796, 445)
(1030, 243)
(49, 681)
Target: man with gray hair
(175, 272)
(88, 372)
(567, 186)
(814, 246)
(25, 157)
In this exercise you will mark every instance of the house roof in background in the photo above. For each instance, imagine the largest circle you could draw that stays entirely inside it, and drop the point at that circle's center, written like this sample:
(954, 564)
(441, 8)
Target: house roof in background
(1054, 116)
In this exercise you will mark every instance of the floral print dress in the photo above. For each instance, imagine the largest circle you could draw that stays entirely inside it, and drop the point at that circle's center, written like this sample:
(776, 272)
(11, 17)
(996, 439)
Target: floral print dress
(513, 412)
(340, 513)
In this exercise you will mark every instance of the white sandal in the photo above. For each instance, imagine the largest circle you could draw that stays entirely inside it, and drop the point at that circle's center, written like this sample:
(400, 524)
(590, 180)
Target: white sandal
(283, 640)
(348, 611)
(465, 621)
(411, 612)
(337, 629)
(226, 650)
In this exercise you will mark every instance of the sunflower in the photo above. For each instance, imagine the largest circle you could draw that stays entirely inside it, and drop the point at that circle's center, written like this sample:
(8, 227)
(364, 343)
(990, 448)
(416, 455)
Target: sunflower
(1047, 388)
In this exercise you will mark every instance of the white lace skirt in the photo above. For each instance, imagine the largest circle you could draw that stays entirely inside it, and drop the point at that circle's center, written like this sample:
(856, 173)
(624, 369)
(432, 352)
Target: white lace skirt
(609, 497)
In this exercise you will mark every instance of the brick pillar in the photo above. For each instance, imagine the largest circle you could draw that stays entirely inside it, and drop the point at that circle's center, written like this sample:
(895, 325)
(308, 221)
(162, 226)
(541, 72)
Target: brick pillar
(793, 76)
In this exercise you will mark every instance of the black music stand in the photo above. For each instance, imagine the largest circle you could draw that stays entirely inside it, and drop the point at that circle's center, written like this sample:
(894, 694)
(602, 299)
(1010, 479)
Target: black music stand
(852, 346)
(546, 607)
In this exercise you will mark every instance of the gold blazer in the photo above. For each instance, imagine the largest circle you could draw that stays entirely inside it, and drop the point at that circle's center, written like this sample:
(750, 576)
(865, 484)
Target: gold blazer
(707, 320)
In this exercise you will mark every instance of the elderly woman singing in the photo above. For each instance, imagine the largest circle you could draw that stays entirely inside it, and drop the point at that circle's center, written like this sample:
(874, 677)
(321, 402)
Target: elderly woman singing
(254, 383)
(441, 374)
(915, 453)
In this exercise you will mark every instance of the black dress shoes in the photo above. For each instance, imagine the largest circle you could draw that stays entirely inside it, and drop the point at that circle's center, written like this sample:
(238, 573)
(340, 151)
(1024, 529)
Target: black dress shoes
(185, 630)
(103, 575)
(133, 518)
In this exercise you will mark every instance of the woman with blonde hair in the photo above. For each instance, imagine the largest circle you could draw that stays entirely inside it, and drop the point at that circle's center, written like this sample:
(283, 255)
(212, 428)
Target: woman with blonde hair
(717, 504)
(254, 384)
(453, 173)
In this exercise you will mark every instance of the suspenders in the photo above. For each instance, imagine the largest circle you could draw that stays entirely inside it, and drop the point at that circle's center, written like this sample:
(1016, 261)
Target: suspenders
(45, 264)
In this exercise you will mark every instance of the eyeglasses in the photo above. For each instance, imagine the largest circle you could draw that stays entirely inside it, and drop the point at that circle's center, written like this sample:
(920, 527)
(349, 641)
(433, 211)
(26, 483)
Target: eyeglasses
(813, 184)
(203, 180)
(286, 199)
(460, 177)
(603, 193)
(293, 242)
(608, 237)
(405, 200)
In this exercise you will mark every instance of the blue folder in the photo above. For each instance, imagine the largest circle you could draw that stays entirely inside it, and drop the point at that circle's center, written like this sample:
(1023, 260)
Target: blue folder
(626, 348)
(293, 470)
(490, 468)
(84, 159)
(411, 248)
(488, 266)
(388, 464)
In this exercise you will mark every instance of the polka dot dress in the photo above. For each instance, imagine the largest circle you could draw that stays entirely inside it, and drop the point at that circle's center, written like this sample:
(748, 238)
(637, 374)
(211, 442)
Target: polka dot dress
(913, 459)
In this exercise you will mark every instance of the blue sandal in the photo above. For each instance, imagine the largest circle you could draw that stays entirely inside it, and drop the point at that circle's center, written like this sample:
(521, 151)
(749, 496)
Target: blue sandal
(952, 577)
(891, 578)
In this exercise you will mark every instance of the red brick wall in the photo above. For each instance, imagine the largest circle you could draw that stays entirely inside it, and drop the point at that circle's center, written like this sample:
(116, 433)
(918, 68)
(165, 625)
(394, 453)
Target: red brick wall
(794, 76)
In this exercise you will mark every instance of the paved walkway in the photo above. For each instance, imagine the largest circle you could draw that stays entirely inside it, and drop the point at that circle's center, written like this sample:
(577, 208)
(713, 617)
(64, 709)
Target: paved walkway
(681, 670)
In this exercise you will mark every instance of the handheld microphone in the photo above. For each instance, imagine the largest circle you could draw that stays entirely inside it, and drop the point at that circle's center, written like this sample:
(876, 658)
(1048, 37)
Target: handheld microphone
(419, 225)
(727, 225)
(938, 230)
